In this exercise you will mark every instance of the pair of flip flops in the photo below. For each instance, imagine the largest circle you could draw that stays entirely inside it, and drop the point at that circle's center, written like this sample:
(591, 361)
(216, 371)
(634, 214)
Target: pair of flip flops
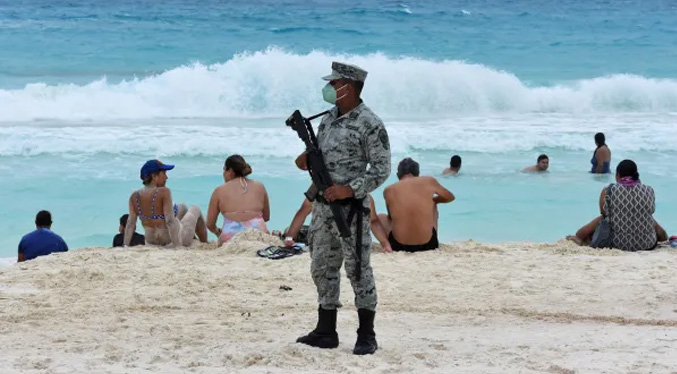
(276, 252)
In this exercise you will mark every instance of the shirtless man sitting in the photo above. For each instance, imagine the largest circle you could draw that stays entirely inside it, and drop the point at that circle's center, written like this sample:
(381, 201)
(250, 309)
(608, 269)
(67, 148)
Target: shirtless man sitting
(411, 222)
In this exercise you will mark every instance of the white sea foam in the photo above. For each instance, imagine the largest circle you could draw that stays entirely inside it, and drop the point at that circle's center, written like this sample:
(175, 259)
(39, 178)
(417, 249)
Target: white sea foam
(273, 82)
(240, 107)
(7, 261)
(404, 8)
(271, 138)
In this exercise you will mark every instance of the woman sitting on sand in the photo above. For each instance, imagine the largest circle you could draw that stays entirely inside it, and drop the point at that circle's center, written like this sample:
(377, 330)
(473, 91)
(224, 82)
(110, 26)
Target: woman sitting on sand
(174, 225)
(242, 201)
(630, 208)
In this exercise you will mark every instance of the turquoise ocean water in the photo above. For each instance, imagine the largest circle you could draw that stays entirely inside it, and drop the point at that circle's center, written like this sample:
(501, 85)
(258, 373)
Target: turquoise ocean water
(89, 90)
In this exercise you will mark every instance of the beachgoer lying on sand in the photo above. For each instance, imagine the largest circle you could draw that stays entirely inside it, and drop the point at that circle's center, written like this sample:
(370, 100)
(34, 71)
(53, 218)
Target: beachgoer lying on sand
(41, 242)
(290, 235)
(630, 209)
(164, 222)
(118, 240)
(454, 166)
(542, 164)
(411, 222)
(242, 202)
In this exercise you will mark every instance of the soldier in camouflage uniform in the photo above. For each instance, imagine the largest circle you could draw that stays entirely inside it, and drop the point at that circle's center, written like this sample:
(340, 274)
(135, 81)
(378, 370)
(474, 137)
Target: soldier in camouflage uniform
(351, 137)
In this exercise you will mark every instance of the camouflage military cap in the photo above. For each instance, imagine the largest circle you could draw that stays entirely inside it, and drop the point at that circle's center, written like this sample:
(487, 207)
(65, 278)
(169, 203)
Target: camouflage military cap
(341, 70)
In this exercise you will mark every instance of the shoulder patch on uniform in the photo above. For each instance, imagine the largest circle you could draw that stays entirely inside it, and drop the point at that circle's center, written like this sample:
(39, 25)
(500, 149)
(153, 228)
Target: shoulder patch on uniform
(383, 137)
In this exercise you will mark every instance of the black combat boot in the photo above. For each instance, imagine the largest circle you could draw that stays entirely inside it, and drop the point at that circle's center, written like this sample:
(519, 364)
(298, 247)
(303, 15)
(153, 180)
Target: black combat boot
(324, 335)
(366, 337)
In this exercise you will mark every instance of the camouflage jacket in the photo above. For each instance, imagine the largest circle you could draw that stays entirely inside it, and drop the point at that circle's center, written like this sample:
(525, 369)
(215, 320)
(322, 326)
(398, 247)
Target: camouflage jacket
(350, 143)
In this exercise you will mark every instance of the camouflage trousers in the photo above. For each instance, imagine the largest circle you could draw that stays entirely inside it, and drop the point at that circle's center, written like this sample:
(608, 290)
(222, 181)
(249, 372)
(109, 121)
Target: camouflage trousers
(328, 251)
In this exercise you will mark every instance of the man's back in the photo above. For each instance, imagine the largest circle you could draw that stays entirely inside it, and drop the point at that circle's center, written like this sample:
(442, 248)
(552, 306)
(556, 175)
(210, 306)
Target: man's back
(41, 242)
(137, 239)
(411, 209)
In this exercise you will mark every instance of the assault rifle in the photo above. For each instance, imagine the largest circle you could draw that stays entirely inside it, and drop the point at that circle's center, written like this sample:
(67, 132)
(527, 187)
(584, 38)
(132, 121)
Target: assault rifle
(316, 167)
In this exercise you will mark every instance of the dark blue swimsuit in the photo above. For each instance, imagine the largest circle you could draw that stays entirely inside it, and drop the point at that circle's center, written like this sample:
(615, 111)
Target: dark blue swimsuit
(605, 166)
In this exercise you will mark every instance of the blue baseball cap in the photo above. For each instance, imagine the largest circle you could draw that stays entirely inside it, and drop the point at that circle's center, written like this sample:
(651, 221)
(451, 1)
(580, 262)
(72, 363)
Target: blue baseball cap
(151, 166)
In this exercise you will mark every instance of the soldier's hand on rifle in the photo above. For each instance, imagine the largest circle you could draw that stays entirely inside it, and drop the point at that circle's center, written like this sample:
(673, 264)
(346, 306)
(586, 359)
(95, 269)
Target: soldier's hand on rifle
(338, 193)
(302, 161)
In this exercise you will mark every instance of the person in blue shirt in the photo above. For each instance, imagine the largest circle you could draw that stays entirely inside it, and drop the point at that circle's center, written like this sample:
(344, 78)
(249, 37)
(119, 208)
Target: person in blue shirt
(42, 241)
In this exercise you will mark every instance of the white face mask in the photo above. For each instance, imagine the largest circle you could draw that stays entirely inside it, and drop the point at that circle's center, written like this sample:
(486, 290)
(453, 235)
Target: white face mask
(329, 93)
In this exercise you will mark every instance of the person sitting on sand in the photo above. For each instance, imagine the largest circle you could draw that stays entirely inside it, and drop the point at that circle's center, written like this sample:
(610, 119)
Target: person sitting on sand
(601, 157)
(542, 164)
(41, 242)
(630, 209)
(454, 166)
(242, 202)
(118, 240)
(290, 235)
(411, 222)
(164, 222)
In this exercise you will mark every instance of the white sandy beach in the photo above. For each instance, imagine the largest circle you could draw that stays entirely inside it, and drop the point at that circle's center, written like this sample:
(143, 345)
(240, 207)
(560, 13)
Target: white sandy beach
(467, 308)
